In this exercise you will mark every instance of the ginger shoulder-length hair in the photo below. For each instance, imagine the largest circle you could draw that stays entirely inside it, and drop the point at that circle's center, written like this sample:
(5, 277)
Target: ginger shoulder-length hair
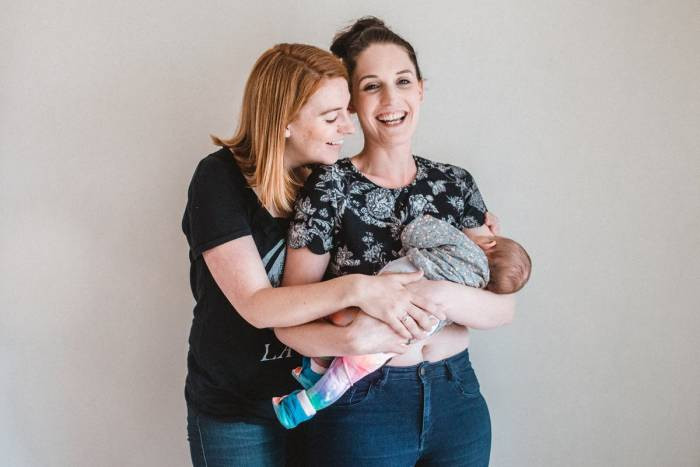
(281, 82)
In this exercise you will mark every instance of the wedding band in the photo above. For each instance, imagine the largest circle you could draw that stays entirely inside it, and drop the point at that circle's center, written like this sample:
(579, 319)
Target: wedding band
(404, 319)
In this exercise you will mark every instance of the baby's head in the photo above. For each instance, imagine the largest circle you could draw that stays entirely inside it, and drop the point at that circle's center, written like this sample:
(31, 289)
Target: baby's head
(509, 263)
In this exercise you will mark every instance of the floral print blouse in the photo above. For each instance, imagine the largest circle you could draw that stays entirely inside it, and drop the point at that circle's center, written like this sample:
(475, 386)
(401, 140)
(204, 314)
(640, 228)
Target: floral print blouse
(359, 222)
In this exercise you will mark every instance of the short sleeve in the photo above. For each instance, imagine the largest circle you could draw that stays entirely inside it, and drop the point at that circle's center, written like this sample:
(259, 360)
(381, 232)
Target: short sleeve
(317, 210)
(474, 214)
(215, 213)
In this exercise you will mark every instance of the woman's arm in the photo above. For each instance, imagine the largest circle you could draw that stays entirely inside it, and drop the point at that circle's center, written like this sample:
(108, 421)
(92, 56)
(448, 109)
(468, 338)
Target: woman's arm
(239, 273)
(365, 335)
(468, 306)
(385, 297)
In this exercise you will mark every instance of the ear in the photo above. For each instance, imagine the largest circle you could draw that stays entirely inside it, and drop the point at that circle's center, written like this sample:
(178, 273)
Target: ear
(420, 89)
(287, 132)
(351, 108)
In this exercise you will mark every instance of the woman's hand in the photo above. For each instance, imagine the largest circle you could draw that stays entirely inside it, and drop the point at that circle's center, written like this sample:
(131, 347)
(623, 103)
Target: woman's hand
(431, 290)
(468, 306)
(367, 335)
(386, 298)
(493, 223)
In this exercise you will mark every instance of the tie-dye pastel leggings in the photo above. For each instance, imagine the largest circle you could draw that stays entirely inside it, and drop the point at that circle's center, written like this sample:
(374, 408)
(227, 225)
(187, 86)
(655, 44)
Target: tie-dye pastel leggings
(342, 373)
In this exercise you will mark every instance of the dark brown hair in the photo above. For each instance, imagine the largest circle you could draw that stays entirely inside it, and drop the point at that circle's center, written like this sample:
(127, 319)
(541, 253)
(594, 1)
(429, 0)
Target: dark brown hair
(510, 266)
(353, 40)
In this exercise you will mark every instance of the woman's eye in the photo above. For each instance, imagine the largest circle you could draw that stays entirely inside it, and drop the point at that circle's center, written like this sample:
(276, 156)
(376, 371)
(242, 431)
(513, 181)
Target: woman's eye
(371, 87)
(332, 120)
(404, 81)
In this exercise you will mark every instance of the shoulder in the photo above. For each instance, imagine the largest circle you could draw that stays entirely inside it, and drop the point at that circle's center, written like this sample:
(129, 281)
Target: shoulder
(218, 161)
(433, 169)
(333, 175)
(218, 168)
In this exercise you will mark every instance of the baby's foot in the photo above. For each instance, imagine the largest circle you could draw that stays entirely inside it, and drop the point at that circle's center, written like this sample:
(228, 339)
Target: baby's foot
(305, 374)
(293, 409)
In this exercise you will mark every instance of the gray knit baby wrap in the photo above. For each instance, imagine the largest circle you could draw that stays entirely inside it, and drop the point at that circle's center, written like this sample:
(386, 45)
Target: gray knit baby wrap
(443, 252)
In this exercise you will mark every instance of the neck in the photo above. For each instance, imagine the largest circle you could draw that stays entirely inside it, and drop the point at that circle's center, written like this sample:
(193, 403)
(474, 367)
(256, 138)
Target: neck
(390, 167)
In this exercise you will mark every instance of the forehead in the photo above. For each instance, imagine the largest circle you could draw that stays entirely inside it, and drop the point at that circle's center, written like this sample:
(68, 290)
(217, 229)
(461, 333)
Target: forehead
(379, 59)
(331, 93)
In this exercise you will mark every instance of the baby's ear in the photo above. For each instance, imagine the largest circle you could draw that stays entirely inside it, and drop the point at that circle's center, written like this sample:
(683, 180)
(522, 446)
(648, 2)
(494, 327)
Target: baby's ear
(485, 242)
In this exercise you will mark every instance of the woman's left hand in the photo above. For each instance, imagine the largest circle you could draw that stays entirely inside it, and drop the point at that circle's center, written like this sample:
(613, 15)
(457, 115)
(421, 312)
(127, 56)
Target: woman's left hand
(432, 291)
(493, 223)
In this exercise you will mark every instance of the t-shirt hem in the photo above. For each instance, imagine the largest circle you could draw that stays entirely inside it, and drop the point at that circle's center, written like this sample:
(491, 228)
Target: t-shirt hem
(199, 249)
(312, 246)
(479, 222)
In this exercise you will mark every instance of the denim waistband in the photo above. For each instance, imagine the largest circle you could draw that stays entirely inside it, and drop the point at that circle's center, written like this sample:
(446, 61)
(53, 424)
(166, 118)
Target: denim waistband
(423, 370)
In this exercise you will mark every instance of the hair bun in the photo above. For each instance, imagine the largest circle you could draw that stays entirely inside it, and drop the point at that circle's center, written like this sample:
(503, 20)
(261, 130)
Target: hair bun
(368, 22)
(339, 47)
(351, 41)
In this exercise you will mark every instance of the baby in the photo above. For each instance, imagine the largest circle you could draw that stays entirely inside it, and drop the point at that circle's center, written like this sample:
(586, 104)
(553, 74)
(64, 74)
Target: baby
(443, 252)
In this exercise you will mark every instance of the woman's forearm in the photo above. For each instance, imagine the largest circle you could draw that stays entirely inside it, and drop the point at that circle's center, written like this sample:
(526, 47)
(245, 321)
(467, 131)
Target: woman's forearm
(477, 308)
(239, 273)
(364, 335)
(469, 306)
(299, 304)
(316, 339)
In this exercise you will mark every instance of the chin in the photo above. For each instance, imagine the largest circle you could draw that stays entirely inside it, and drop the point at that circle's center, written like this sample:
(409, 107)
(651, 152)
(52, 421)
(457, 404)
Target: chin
(322, 159)
(396, 139)
(330, 157)
(329, 160)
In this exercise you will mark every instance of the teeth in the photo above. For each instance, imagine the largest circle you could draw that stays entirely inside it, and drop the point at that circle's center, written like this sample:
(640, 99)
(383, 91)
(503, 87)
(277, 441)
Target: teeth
(335, 143)
(391, 117)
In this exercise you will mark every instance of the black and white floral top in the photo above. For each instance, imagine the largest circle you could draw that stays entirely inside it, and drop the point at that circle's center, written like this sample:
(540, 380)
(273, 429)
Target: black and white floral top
(342, 212)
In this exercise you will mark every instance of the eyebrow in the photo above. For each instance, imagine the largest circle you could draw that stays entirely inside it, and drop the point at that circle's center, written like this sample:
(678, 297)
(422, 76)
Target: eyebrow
(331, 110)
(375, 76)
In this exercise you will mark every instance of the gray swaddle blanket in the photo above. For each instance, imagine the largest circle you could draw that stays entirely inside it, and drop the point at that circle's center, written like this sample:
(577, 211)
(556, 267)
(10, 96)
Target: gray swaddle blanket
(443, 252)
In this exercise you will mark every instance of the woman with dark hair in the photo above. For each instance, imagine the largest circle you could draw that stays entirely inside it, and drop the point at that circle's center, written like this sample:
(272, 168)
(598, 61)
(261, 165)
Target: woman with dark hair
(424, 407)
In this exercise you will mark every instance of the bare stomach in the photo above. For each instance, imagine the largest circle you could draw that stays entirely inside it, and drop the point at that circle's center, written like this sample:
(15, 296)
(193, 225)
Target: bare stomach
(449, 341)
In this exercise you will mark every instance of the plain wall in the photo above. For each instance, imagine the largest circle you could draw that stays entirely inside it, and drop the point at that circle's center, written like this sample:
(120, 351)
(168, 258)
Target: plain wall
(578, 119)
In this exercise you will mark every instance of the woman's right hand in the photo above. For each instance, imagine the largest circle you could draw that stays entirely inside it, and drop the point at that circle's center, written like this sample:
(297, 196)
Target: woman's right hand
(367, 335)
(386, 298)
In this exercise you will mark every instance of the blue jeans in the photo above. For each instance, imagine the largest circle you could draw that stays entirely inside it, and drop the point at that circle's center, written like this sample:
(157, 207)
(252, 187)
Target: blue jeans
(431, 414)
(215, 443)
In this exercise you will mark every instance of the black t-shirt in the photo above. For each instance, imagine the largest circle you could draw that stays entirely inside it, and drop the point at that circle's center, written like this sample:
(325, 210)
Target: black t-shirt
(233, 369)
(341, 211)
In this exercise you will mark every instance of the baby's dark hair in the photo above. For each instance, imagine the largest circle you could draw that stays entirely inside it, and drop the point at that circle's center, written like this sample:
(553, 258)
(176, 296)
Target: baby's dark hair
(352, 41)
(510, 266)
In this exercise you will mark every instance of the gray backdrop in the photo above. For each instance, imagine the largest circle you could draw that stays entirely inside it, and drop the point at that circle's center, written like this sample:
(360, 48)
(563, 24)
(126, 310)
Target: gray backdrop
(579, 120)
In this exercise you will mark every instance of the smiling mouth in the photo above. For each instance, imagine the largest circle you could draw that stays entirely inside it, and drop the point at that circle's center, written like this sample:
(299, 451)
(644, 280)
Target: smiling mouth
(392, 118)
(335, 143)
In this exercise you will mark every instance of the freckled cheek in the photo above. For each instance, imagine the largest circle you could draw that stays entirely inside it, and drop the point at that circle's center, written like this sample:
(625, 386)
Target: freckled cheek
(317, 136)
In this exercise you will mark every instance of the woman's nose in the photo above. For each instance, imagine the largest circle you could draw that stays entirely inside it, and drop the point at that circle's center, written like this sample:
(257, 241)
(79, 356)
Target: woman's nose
(346, 126)
(387, 95)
